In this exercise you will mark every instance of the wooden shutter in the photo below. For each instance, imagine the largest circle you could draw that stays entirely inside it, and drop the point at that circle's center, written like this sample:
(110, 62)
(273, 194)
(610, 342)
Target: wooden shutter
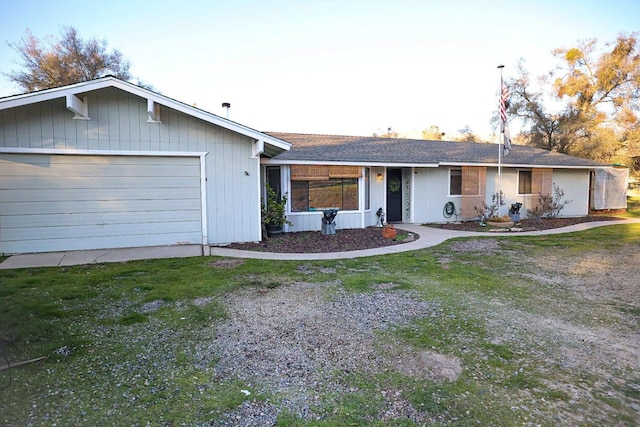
(309, 173)
(345, 172)
(323, 172)
(542, 181)
(474, 189)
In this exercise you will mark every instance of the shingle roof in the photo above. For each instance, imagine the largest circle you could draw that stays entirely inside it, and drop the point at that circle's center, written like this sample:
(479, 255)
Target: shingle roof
(376, 150)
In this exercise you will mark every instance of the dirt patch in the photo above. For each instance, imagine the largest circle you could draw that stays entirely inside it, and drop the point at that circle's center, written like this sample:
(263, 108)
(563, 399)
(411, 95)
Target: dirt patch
(486, 246)
(582, 324)
(227, 263)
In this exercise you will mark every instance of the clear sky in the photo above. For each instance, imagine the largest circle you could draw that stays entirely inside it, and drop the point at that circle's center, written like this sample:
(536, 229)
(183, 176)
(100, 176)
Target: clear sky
(331, 67)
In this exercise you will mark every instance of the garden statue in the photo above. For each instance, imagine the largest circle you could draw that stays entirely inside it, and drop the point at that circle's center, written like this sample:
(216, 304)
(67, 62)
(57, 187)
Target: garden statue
(380, 214)
(328, 221)
(514, 212)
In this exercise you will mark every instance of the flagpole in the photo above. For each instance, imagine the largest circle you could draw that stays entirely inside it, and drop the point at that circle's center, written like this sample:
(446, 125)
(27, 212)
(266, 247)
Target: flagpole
(500, 67)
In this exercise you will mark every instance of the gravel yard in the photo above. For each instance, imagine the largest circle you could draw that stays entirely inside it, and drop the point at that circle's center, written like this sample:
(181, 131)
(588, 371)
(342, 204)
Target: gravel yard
(294, 339)
(477, 331)
(297, 340)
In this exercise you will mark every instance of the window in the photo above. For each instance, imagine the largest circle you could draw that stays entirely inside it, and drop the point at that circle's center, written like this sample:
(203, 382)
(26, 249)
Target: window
(455, 182)
(273, 179)
(317, 187)
(341, 193)
(367, 191)
(524, 182)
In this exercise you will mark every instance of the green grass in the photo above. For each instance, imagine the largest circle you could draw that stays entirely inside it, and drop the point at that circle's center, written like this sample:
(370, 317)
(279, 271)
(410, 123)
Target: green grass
(633, 205)
(116, 318)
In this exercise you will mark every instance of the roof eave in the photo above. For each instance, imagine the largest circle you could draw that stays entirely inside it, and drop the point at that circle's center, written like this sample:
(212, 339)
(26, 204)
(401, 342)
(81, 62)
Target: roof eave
(350, 163)
(526, 165)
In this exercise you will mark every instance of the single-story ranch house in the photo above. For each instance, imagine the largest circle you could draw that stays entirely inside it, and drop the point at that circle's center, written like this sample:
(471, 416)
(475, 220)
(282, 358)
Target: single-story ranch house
(107, 164)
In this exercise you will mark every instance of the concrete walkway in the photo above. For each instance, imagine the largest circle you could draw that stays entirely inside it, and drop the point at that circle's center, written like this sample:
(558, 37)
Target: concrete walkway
(428, 237)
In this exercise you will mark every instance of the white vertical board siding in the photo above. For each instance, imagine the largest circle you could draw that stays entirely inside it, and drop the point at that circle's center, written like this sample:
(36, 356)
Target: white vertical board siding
(377, 192)
(232, 189)
(430, 194)
(119, 123)
(312, 221)
(72, 202)
(575, 184)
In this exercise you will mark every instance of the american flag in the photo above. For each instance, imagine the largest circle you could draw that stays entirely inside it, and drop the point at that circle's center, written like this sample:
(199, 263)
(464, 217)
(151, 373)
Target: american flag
(504, 97)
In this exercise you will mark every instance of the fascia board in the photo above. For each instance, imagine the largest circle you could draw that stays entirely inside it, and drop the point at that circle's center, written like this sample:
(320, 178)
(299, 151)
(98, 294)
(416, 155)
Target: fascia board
(345, 163)
(525, 165)
(71, 152)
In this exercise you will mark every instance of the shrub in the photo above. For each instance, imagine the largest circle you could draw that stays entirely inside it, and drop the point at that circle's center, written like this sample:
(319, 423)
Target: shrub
(549, 205)
(273, 210)
(491, 211)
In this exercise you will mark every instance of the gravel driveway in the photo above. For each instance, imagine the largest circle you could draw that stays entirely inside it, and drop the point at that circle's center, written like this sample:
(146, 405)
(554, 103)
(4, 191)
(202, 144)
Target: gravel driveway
(297, 337)
(296, 340)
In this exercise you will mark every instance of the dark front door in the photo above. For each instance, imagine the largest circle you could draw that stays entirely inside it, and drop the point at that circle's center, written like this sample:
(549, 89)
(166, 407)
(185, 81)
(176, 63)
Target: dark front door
(394, 195)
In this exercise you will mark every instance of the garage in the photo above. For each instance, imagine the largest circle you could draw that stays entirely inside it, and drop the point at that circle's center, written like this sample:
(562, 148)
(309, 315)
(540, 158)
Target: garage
(58, 202)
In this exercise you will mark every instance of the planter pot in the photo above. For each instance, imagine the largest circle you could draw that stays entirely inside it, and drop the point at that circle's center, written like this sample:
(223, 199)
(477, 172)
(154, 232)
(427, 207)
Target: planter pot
(389, 232)
(273, 230)
(502, 224)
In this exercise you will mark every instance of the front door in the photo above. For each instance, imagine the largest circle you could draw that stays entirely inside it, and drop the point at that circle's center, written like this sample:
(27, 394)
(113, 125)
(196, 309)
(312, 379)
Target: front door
(394, 195)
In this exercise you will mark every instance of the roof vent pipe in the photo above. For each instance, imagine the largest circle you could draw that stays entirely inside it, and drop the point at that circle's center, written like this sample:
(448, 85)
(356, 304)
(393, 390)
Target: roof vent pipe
(227, 106)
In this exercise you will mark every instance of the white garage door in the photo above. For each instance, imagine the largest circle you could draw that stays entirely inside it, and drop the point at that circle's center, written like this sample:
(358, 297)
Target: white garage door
(70, 202)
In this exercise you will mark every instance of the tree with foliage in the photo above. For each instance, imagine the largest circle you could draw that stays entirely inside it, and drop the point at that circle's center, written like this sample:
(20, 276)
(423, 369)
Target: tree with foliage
(53, 63)
(390, 133)
(599, 96)
(433, 133)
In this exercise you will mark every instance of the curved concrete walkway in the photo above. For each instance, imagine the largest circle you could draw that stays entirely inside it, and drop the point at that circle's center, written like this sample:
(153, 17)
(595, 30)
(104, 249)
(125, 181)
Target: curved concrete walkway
(428, 237)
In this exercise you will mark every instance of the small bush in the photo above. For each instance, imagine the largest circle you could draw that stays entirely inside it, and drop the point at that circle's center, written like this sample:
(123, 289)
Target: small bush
(491, 211)
(549, 205)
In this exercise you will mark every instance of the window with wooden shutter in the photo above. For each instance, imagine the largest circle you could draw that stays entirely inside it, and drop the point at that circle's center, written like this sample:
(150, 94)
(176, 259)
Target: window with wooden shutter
(317, 187)
(474, 188)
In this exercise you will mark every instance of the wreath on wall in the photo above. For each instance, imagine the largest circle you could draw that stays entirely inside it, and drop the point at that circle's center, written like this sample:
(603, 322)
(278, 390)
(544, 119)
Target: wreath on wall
(394, 184)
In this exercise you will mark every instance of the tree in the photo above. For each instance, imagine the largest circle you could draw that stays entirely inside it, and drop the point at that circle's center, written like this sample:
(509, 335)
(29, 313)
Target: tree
(467, 135)
(50, 63)
(433, 133)
(598, 94)
(390, 133)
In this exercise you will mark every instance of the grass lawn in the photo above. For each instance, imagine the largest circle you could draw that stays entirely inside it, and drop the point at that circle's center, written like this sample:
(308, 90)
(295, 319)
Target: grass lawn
(543, 328)
(633, 204)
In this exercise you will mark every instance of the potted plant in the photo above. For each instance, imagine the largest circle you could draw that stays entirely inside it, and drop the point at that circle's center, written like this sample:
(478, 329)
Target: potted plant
(273, 212)
(490, 214)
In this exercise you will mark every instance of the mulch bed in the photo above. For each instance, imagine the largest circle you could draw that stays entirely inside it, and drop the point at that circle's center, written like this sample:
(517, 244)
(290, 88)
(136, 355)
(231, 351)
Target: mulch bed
(314, 242)
(371, 237)
(527, 224)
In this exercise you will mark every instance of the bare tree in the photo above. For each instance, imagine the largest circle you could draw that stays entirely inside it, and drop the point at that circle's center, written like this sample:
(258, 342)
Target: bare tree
(51, 63)
(467, 135)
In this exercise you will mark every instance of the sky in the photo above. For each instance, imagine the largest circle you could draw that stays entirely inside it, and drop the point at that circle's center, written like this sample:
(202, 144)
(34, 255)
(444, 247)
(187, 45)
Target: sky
(324, 66)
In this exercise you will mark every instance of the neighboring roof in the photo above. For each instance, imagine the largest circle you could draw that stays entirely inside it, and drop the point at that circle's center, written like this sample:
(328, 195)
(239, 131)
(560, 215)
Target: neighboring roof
(415, 152)
(276, 144)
